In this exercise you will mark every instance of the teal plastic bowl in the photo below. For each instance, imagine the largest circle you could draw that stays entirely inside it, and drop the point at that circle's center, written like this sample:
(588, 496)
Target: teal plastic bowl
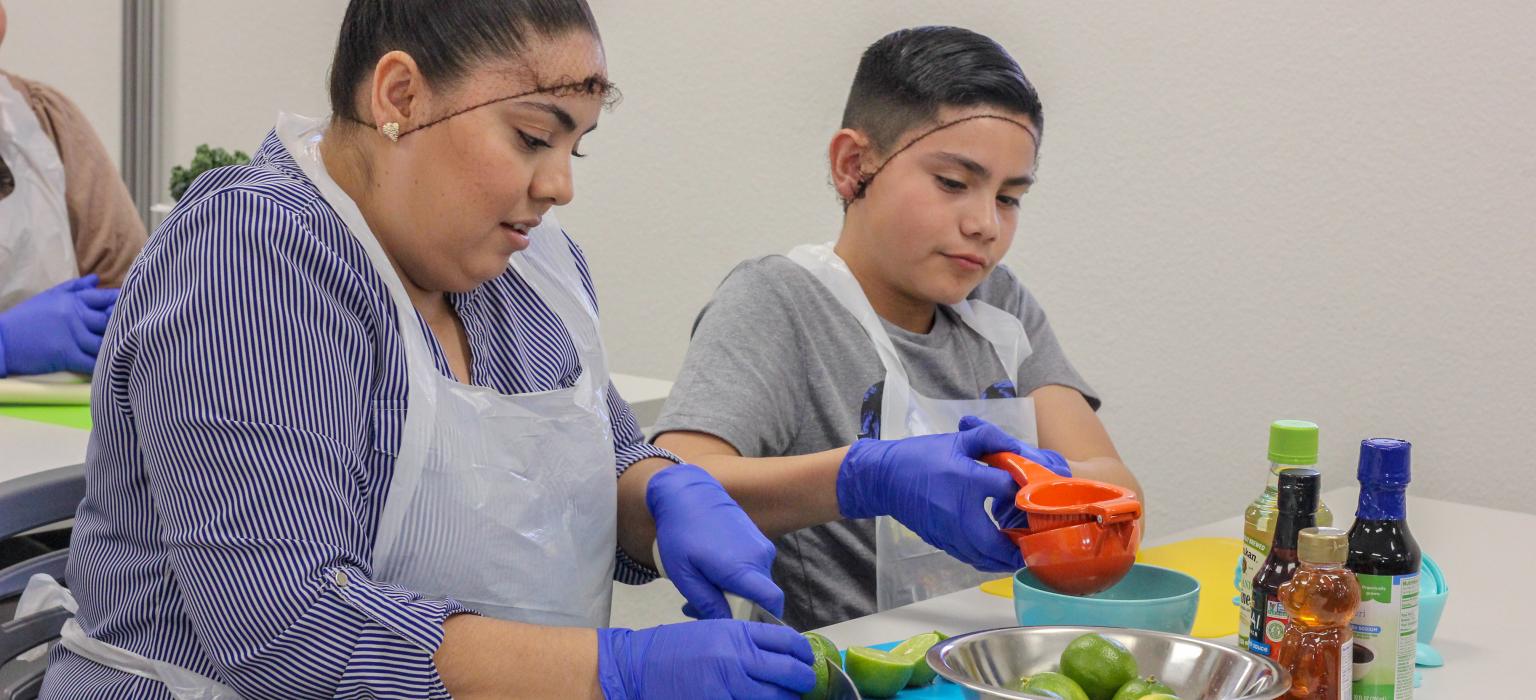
(1432, 593)
(1148, 598)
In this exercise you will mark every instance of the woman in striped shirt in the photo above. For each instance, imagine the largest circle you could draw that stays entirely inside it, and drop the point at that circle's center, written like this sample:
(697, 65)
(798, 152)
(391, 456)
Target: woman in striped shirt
(354, 392)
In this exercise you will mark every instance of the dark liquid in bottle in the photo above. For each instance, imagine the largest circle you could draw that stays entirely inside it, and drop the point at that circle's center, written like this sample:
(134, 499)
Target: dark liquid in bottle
(1383, 548)
(1298, 511)
(1385, 559)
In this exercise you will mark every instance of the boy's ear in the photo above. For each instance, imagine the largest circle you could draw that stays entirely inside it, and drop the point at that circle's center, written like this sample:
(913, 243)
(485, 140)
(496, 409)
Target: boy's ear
(848, 156)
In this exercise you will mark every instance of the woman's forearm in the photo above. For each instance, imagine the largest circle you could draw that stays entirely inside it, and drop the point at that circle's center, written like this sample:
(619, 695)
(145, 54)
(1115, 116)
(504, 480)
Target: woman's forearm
(482, 657)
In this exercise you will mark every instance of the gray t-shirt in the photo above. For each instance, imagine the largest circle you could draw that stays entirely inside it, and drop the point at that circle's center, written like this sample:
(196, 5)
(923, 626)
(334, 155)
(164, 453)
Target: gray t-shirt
(777, 367)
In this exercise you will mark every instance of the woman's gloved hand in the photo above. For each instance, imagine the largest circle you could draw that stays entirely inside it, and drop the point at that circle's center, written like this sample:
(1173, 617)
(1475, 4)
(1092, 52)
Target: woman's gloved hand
(708, 659)
(58, 330)
(934, 485)
(708, 545)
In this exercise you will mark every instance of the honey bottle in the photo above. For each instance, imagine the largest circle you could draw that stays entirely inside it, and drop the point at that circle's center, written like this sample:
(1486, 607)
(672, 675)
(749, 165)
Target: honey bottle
(1320, 600)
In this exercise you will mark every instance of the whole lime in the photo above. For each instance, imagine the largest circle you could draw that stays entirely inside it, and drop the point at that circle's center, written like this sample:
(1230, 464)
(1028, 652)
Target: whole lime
(1099, 664)
(1139, 688)
(1055, 684)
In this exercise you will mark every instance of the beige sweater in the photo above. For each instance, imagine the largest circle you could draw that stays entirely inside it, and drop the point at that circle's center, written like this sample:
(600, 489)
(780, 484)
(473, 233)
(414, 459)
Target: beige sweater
(106, 228)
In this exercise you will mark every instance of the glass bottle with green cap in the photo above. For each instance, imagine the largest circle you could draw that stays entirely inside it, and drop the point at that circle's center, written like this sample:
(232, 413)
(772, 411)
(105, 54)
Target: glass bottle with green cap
(1292, 443)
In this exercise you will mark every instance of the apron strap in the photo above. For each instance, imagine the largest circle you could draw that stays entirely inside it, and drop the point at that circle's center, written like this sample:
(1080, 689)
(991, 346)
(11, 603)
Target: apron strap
(1003, 331)
(44, 592)
(302, 137)
(549, 266)
(832, 271)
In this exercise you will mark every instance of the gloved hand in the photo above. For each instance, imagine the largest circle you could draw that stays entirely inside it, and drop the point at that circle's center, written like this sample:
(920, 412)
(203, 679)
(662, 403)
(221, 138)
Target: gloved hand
(58, 330)
(708, 545)
(1004, 511)
(708, 659)
(934, 485)
(1050, 459)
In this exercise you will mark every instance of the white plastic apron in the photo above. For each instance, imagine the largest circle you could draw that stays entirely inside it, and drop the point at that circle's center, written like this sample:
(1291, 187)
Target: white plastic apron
(36, 249)
(508, 504)
(907, 569)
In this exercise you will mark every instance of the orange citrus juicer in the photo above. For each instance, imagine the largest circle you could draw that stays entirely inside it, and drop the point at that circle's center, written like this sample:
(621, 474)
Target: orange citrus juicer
(1082, 535)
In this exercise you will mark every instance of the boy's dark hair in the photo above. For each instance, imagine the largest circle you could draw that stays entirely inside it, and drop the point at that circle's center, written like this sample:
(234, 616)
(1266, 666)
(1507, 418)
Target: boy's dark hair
(908, 75)
(444, 36)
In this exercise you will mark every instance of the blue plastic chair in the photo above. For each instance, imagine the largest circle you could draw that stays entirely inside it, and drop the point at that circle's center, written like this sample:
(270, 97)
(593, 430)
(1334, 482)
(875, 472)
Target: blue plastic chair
(34, 501)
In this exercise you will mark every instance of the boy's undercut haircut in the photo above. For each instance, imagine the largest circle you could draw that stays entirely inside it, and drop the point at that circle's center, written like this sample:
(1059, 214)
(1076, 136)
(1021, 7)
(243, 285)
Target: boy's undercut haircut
(906, 77)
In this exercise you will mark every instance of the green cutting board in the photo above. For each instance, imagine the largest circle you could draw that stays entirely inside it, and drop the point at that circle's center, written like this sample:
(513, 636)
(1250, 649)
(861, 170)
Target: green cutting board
(67, 416)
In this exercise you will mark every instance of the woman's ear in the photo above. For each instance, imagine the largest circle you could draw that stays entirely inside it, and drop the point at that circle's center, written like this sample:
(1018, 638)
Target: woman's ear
(397, 90)
(848, 153)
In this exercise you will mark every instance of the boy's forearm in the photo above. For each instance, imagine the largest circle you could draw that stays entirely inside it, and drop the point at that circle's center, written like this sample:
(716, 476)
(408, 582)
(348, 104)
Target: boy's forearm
(1107, 469)
(781, 494)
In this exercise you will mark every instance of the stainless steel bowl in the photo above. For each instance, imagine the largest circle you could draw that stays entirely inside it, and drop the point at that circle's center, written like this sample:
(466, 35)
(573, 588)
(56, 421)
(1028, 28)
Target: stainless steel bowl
(984, 663)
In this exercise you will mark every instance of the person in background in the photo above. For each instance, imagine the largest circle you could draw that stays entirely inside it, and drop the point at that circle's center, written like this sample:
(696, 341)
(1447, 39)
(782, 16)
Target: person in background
(68, 231)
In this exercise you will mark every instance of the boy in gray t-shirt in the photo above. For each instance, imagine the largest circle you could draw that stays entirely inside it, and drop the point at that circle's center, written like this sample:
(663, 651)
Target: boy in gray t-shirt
(821, 388)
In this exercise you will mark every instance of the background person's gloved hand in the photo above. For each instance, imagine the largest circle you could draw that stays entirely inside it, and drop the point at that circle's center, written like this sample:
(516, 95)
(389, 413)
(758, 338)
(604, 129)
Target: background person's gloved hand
(934, 485)
(708, 545)
(58, 330)
(708, 659)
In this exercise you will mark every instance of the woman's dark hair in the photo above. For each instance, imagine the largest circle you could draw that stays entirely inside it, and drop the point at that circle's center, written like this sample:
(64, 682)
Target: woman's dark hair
(446, 37)
(908, 75)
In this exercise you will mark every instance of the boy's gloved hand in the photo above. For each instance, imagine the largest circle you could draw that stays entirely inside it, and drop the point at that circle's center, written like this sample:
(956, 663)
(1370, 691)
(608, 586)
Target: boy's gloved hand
(1006, 514)
(708, 659)
(1050, 459)
(934, 485)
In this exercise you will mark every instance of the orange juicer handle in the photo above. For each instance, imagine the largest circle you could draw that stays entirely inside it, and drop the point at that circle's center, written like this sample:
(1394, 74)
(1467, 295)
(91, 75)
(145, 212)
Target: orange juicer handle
(1023, 470)
(1026, 472)
(1115, 511)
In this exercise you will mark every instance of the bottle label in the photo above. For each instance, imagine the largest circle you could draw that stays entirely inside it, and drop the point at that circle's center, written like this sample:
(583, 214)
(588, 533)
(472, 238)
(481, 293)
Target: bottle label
(1346, 668)
(1265, 639)
(1386, 631)
(1254, 553)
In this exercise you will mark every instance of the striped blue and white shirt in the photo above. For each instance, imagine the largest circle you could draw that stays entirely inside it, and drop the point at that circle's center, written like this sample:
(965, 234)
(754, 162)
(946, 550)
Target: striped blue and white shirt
(248, 404)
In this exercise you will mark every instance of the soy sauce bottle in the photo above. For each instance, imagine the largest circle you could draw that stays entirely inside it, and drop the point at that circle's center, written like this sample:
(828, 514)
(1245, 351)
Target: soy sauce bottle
(1297, 502)
(1385, 559)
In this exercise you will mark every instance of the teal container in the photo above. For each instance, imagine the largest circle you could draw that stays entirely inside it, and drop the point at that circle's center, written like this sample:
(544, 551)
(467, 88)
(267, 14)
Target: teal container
(1148, 598)
(1432, 593)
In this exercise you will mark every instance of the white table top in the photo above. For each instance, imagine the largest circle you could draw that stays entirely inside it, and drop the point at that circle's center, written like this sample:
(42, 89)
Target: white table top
(28, 447)
(1484, 634)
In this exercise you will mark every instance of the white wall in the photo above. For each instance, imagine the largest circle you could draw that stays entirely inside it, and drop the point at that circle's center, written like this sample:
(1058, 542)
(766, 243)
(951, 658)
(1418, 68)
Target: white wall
(75, 46)
(1245, 211)
(232, 65)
